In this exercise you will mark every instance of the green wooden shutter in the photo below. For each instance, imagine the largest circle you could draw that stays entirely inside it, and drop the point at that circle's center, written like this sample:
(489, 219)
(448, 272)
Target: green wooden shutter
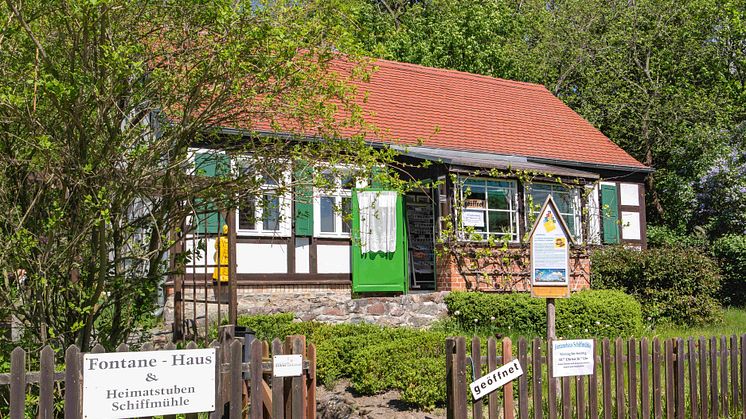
(303, 214)
(610, 214)
(210, 164)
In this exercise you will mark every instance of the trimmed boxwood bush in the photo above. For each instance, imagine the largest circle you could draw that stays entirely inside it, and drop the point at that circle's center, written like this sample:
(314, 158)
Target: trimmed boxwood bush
(730, 253)
(415, 365)
(674, 285)
(585, 314)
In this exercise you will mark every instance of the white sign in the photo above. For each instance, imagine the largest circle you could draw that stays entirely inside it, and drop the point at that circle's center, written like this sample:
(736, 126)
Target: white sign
(287, 365)
(473, 218)
(496, 379)
(572, 357)
(550, 244)
(132, 384)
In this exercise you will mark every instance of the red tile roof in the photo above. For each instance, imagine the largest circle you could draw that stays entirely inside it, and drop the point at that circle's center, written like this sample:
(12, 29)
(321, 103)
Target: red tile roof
(462, 111)
(450, 109)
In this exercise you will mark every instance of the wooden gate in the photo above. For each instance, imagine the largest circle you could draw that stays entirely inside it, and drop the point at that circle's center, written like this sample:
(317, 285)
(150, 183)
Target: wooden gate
(243, 389)
(671, 378)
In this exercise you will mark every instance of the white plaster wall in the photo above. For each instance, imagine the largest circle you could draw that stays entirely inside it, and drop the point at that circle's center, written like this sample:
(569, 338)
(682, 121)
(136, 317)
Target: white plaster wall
(630, 225)
(334, 259)
(261, 258)
(302, 255)
(630, 194)
(198, 256)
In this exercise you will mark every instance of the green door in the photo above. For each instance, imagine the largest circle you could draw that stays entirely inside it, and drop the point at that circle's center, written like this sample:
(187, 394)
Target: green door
(379, 271)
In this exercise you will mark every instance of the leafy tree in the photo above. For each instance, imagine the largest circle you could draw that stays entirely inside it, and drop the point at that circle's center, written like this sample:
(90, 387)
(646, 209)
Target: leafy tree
(662, 78)
(100, 103)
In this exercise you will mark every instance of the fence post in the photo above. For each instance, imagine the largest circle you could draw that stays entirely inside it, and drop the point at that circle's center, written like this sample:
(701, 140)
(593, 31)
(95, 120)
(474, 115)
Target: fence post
(508, 412)
(692, 359)
(298, 383)
(523, 379)
(256, 380)
(46, 384)
(311, 383)
(459, 382)
(236, 380)
(450, 349)
(703, 403)
(632, 376)
(619, 378)
(476, 366)
(17, 383)
(278, 384)
(73, 371)
(491, 366)
(538, 385)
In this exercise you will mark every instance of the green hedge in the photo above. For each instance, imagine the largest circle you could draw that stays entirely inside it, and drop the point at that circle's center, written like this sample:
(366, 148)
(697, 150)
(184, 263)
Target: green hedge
(730, 253)
(674, 284)
(414, 365)
(374, 358)
(585, 314)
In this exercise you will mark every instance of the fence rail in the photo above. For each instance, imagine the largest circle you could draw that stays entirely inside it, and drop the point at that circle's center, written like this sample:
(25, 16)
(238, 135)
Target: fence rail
(243, 389)
(674, 378)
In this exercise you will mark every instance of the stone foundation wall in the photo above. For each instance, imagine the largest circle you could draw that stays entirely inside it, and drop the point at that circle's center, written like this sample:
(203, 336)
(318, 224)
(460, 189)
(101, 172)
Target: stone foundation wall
(466, 268)
(325, 304)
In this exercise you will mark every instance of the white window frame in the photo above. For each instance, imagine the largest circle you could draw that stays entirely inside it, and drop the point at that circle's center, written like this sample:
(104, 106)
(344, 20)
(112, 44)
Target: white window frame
(512, 207)
(285, 209)
(338, 193)
(560, 189)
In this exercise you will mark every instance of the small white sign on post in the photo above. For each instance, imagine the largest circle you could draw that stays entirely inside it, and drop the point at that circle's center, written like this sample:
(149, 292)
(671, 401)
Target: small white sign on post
(132, 384)
(496, 379)
(572, 357)
(287, 365)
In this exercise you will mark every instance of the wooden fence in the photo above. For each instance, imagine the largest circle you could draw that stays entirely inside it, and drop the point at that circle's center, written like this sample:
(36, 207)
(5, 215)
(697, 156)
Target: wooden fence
(673, 379)
(243, 389)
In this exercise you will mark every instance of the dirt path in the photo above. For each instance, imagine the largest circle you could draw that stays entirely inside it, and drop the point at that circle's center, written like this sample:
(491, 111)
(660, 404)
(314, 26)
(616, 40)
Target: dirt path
(340, 402)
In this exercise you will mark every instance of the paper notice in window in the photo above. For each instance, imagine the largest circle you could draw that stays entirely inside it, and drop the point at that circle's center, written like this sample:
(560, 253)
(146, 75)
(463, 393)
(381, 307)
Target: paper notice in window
(473, 218)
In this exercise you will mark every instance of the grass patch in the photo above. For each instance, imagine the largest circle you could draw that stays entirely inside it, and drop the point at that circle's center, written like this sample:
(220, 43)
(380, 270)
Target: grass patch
(734, 323)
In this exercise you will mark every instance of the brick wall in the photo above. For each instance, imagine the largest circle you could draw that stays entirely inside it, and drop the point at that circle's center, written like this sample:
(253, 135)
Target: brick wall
(465, 268)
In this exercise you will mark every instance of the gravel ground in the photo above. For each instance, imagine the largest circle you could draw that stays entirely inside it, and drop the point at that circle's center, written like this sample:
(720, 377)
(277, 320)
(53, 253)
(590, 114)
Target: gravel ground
(340, 402)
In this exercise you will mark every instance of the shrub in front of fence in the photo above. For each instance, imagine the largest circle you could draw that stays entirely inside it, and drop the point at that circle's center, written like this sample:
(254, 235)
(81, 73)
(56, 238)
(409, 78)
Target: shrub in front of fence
(674, 285)
(585, 314)
(415, 366)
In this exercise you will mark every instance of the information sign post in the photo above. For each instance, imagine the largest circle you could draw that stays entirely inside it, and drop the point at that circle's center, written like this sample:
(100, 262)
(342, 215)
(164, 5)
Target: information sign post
(550, 259)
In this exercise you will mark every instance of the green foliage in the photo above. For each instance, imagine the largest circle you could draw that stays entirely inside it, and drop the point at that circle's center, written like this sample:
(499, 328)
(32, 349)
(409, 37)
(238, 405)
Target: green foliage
(730, 252)
(375, 358)
(584, 314)
(662, 79)
(403, 364)
(662, 236)
(676, 285)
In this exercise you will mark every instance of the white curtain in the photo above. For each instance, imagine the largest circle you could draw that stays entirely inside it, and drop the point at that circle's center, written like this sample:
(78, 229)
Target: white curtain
(377, 221)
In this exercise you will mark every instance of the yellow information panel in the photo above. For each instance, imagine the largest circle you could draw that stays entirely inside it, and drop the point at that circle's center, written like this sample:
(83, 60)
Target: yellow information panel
(550, 292)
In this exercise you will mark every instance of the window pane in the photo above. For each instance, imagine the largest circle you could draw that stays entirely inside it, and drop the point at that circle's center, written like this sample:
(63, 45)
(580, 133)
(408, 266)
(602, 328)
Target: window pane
(346, 214)
(497, 199)
(538, 197)
(348, 182)
(564, 202)
(326, 208)
(247, 215)
(474, 192)
(271, 212)
(570, 221)
(269, 181)
(499, 222)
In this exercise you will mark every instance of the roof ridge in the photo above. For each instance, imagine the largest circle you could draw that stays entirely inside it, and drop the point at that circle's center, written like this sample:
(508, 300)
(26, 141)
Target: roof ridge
(461, 74)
